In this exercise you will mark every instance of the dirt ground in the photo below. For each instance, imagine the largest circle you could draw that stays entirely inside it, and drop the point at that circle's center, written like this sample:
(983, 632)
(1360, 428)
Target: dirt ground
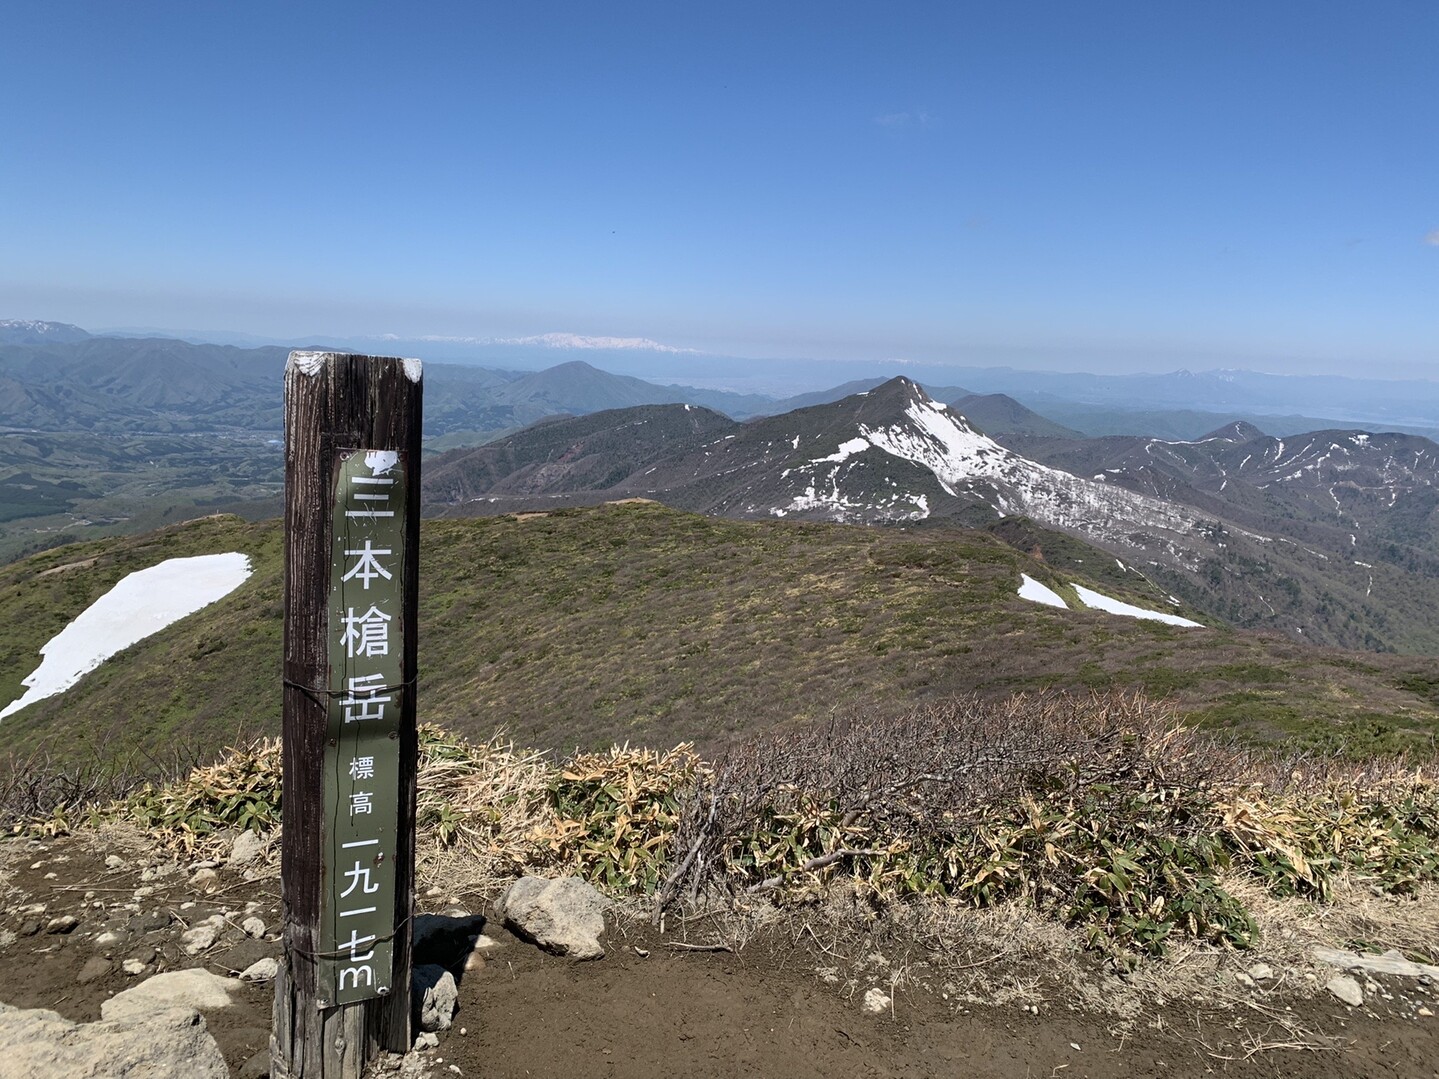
(783, 1004)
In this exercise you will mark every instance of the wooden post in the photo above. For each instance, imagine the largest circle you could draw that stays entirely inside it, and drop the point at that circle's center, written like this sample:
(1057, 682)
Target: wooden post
(352, 486)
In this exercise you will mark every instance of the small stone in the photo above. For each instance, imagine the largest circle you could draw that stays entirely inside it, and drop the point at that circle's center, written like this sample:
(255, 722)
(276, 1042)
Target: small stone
(206, 880)
(196, 940)
(133, 967)
(65, 923)
(1075, 1047)
(263, 970)
(439, 997)
(114, 861)
(93, 971)
(149, 923)
(876, 1001)
(1261, 972)
(247, 847)
(52, 876)
(1346, 989)
(108, 939)
(427, 1040)
(253, 927)
(1422, 1011)
(29, 928)
(144, 892)
(148, 873)
(1244, 980)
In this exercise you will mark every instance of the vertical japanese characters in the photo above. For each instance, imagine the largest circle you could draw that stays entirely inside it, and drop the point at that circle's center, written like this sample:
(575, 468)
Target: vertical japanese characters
(362, 781)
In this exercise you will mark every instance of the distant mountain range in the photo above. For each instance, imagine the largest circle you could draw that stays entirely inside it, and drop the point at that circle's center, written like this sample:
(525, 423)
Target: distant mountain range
(1329, 538)
(55, 376)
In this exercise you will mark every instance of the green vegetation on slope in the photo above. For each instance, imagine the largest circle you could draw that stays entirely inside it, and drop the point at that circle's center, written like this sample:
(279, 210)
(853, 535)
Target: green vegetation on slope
(634, 622)
(1099, 812)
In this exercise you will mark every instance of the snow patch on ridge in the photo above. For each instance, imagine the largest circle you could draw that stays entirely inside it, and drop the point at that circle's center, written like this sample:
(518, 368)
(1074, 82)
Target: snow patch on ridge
(846, 449)
(142, 604)
(1100, 602)
(1035, 592)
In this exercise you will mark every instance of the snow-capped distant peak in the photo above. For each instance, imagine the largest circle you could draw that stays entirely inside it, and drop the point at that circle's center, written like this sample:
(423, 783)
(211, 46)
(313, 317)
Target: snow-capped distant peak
(966, 463)
(575, 340)
(29, 330)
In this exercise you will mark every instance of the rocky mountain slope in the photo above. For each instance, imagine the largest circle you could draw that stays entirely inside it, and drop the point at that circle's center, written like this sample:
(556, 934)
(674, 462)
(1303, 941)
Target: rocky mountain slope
(1230, 524)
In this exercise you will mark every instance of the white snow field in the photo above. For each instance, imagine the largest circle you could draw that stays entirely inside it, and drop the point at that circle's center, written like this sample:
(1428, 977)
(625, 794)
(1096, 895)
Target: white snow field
(1031, 589)
(143, 603)
(1100, 602)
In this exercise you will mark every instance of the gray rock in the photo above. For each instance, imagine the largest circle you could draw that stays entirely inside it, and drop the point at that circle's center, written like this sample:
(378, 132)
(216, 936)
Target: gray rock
(439, 997)
(1346, 989)
(133, 967)
(262, 970)
(194, 988)
(65, 923)
(206, 880)
(150, 921)
(253, 927)
(110, 940)
(93, 971)
(247, 848)
(564, 916)
(426, 1041)
(173, 1044)
(876, 1001)
(199, 939)
(1391, 962)
(1261, 972)
(258, 1066)
(114, 861)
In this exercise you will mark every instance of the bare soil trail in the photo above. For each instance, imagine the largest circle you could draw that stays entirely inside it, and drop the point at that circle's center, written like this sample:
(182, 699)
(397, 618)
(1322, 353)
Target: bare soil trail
(650, 1010)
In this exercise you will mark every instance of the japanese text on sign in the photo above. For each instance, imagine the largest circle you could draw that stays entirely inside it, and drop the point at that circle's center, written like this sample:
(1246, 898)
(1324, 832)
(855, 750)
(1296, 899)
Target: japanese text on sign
(362, 780)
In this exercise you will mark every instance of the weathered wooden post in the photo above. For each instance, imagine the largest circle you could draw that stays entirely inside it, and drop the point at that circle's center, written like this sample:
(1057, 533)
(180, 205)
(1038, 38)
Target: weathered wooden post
(352, 516)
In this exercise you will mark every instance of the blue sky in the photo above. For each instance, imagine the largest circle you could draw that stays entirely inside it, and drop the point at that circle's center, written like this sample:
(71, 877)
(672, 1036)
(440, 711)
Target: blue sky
(1095, 186)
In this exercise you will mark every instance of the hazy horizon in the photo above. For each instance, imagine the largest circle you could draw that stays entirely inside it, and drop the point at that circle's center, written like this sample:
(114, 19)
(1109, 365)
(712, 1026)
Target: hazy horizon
(1112, 188)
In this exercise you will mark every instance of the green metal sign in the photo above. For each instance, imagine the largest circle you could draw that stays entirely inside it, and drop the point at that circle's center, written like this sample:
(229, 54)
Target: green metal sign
(362, 749)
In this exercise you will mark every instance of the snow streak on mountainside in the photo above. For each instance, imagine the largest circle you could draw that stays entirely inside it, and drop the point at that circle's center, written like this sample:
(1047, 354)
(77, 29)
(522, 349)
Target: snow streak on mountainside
(1339, 488)
(969, 466)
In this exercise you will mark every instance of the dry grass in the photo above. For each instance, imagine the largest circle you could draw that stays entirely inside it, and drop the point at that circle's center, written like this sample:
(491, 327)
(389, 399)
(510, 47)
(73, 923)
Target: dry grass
(1128, 833)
